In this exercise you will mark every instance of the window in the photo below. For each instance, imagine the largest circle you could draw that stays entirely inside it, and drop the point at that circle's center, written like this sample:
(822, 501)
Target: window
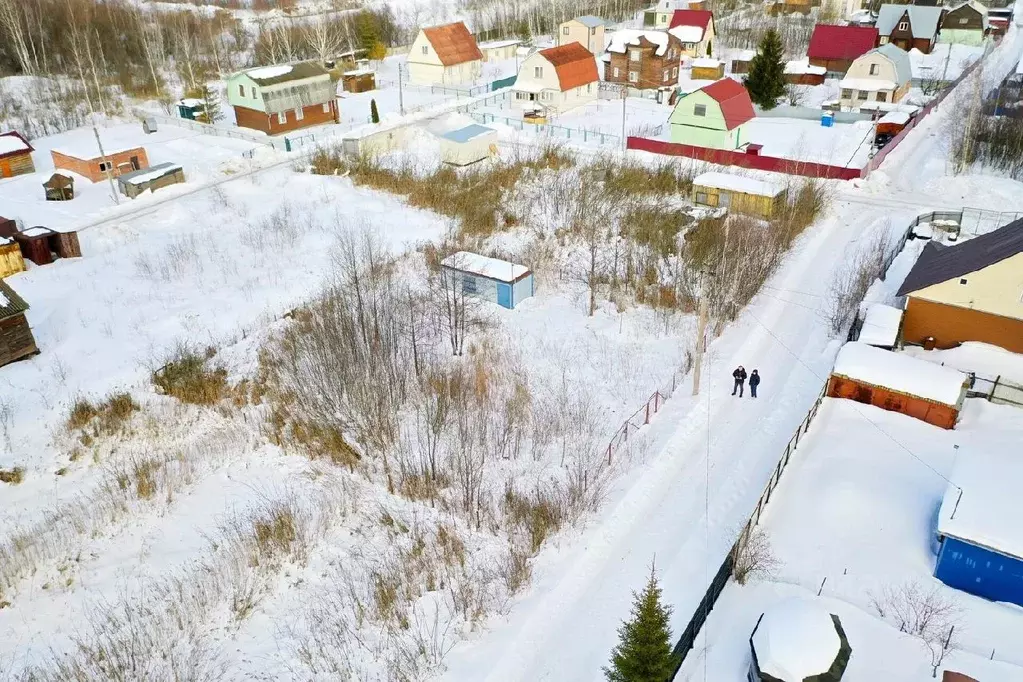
(664, 76)
(299, 114)
(664, 18)
(903, 25)
(962, 280)
(589, 87)
(468, 284)
(537, 72)
(701, 198)
(241, 90)
(882, 97)
(282, 117)
(633, 77)
(426, 49)
(104, 167)
(617, 72)
(700, 110)
(862, 95)
(593, 31)
(963, 20)
(564, 30)
(674, 72)
(326, 107)
(874, 69)
(253, 92)
(634, 55)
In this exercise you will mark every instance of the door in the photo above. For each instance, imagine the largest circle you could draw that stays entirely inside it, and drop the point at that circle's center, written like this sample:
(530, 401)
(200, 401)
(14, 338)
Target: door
(135, 163)
(724, 199)
(504, 295)
(5, 169)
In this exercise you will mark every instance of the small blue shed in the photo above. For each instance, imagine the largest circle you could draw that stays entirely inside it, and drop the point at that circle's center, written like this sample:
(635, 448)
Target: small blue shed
(504, 283)
(979, 527)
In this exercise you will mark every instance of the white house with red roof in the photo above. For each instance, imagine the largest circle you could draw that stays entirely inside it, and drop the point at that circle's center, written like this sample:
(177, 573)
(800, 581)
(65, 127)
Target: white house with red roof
(713, 116)
(444, 55)
(695, 28)
(557, 79)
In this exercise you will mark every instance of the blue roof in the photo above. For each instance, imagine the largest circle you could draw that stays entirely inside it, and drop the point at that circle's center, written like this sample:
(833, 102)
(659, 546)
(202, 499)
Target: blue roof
(467, 133)
(590, 21)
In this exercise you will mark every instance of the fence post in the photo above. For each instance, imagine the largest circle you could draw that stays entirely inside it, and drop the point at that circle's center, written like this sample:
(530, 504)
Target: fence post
(609, 454)
(657, 396)
(994, 387)
(646, 416)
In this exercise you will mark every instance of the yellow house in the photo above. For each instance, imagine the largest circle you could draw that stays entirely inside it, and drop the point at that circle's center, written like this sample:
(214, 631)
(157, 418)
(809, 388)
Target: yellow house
(557, 79)
(882, 75)
(587, 30)
(747, 196)
(972, 291)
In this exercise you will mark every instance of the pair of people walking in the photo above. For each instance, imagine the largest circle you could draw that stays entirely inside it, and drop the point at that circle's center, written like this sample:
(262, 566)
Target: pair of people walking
(740, 380)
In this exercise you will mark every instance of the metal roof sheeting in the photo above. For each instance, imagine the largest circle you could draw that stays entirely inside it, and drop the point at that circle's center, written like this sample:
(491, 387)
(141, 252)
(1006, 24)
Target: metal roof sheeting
(10, 303)
(453, 43)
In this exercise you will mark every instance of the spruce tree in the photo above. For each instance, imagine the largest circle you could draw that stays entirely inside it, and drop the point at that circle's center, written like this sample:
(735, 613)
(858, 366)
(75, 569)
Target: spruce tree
(211, 104)
(766, 79)
(374, 115)
(644, 653)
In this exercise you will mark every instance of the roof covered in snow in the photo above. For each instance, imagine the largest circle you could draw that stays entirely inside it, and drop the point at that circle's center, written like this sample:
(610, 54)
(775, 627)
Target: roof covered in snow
(484, 266)
(938, 263)
(796, 639)
(285, 73)
(140, 177)
(989, 510)
(589, 21)
(621, 40)
(12, 143)
(706, 62)
(923, 19)
(897, 117)
(495, 44)
(881, 325)
(737, 183)
(900, 372)
(687, 34)
(804, 66)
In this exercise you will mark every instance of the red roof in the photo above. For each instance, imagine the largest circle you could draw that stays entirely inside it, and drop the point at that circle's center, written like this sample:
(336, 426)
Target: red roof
(453, 43)
(736, 106)
(692, 17)
(23, 148)
(574, 64)
(841, 42)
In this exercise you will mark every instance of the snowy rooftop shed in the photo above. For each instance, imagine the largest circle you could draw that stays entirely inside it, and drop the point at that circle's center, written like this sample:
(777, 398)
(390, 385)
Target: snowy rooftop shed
(899, 383)
(739, 194)
(978, 524)
(492, 279)
(467, 144)
(881, 326)
(796, 640)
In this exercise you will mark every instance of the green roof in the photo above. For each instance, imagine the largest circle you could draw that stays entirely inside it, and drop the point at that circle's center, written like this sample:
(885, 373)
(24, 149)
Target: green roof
(10, 303)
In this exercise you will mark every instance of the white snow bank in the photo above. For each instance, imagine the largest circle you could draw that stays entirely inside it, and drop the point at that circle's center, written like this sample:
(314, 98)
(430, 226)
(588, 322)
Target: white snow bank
(804, 66)
(796, 639)
(706, 62)
(737, 183)
(269, 72)
(900, 372)
(485, 266)
(897, 117)
(990, 507)
(620, 40)
(866, 84)
(881, 325)
(10, 144)
(983, 359)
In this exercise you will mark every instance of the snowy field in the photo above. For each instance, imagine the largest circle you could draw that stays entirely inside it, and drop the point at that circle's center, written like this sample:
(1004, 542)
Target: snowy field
(843, 144)
(858, 515)
(946, 61)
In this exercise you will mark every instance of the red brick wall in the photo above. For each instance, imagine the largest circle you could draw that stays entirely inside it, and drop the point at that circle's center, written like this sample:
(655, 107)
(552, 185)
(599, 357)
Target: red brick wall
(89, 168)
(270, 124)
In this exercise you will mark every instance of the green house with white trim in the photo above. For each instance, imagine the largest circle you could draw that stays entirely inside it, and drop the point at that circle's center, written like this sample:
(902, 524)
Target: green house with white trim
(713, 116)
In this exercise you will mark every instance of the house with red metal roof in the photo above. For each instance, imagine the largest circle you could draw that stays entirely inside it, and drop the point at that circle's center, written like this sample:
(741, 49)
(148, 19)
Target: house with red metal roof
(836, 47)
(695, 28)
(557, 79)
(713, 116)
(444, 55)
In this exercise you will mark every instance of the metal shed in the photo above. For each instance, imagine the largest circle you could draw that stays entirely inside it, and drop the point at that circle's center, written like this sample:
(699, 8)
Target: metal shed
(898, 383)
(59, 187)
(152, 178)
(16, 341)
(504, 283)
(468, 144)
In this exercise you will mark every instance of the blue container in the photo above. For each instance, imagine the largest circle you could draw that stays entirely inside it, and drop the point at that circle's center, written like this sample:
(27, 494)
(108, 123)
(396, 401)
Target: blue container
(827, 119)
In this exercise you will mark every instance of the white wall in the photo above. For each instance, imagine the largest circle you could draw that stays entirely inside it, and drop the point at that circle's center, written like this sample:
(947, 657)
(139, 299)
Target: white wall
(522, 290)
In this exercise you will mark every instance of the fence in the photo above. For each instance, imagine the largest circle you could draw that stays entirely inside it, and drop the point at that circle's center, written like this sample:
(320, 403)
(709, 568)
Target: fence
(998, 390)
(717, 585)
(641, 417)
(211, 129)
(578, 134)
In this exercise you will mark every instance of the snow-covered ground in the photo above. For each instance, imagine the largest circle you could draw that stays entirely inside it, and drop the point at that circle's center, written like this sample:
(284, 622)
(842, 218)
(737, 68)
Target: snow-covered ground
(945, 62)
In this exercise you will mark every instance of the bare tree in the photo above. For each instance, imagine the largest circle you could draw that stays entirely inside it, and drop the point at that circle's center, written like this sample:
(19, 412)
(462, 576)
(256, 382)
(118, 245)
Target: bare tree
(752, 556)
(851, 283)
(923, 612)
(323, 38)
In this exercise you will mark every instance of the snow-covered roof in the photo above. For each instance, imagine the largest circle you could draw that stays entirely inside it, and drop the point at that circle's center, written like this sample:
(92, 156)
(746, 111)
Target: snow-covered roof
(37, 231)
(492, 268)
(589, 21)
(191, 102)
(881, 325)
(737, 183)
(12, 144)
(804, 66)
(744, 55)
(268, 72)
(620, 40)
(796, 639)
(469, 132)
(990, 508)
(923, 19)
(495, 44)
(706, 62)
(145, 175)
(866, 84)
(897, 117)
(687, 34)
(889, 106)
(973, 356)
(900, 372)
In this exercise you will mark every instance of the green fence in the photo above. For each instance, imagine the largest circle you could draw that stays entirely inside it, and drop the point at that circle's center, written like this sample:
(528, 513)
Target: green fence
(502, 83)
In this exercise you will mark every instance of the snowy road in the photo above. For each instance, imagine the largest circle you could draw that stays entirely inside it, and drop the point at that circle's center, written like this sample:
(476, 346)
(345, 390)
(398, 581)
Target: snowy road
(712, 456)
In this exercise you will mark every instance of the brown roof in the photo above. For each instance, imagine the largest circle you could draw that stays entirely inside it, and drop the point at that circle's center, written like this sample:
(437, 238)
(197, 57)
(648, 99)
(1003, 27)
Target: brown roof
(27, 148)
(299, 71)
(10, 303)
(453, 43)
(574, 64)
(58, 180)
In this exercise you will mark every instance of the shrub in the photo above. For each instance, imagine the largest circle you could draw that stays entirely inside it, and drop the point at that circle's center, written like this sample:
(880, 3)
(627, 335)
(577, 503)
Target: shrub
(13, 476)
(188, 377)
(107, 417)
(540, 515)
(81, 414)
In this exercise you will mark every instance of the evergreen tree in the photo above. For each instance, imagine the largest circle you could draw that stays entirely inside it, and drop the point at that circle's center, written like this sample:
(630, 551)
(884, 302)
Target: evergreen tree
(377, 51)
(709, 50)
(766, 78)
(644, 653)
(374, 115)
(211, 104)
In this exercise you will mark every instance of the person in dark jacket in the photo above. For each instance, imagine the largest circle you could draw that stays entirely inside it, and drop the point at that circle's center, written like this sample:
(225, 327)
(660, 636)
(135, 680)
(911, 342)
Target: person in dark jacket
(754, 381)
(740, 377)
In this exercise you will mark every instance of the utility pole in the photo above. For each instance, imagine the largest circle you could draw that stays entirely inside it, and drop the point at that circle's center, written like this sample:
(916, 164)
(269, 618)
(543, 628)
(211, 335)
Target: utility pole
(701, 337)
(401, 99)
(106, 161)
(625, 94)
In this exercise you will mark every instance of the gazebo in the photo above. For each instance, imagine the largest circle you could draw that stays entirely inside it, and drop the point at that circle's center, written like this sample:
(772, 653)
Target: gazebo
(59, 187)
(797, 641)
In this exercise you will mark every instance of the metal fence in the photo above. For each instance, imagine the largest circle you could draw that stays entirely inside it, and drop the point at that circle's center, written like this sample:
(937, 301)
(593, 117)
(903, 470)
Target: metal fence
(999, 390)
(211, 129)
(550, 129)
(641, 417)
(688, 639)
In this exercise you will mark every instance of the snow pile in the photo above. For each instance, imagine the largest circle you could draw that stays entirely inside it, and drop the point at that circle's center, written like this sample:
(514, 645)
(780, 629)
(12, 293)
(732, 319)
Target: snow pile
(988, 511)
(867, 84)
(687, 34)
(881, 325)
(268, 72)
(900, 372)
(4, 302)
(801, 66)
(796, 640)
(737, 183)
(10, 144)
(982, 359)
(485, 266)
(706, 63)
(620, 40)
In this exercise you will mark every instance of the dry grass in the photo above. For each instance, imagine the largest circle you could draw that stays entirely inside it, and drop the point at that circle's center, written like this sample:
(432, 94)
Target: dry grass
(539, 514)
(106, 418)
(13, 476)
(188, 376)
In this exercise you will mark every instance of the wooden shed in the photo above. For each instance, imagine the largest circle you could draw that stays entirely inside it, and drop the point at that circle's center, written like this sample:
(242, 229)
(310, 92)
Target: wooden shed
(747, 196)
(360, 80)
(11, 260)
(59, 187)
(16, 341)
(8, 228)
(707, 69)
(192, 109)
(898, 383)
(741, 62)
(41, 244)
(15, 155)
(152, 178)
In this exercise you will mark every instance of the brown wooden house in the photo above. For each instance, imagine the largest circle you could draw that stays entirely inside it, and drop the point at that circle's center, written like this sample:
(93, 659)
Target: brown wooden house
(88, 163)
(15, 155)
(59, 188)
(909, 26)
(41, 244)
(16, 341)
(359, 80)
(644, 60)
